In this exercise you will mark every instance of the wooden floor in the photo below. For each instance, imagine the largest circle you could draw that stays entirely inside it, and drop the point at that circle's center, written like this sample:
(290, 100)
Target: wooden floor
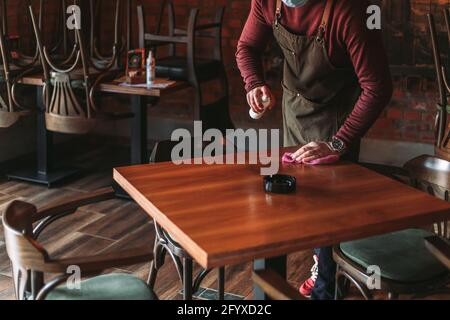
(116, 225)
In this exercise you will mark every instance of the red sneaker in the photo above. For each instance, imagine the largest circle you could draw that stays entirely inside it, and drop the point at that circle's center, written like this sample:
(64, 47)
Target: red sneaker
(308, 286)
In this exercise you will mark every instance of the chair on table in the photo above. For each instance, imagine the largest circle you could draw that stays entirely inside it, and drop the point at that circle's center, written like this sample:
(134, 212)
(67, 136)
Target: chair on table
(406, 266)
(100, 59)
(196, 71)
(23, 224)
(442, 124)
(69, 89)
(164, 243)
(274, 286)
(14, 66)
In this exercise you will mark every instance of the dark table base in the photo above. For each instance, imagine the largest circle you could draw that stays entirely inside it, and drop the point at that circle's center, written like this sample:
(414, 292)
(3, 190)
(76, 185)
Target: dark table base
(277, 264)
(120, 193)
(56, 176)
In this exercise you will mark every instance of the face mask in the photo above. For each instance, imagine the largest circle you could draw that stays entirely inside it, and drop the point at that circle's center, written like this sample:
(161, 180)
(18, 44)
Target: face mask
(295, 3)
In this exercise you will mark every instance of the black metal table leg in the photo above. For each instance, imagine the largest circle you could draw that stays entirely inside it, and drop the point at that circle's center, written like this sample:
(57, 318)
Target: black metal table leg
(221, 281)
(278, 264)
(187, 278)
(139, 129)
(44, 173)
(37, 283)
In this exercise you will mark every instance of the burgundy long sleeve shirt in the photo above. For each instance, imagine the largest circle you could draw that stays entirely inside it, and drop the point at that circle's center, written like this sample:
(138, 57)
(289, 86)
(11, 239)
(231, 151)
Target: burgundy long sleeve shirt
(350, 44)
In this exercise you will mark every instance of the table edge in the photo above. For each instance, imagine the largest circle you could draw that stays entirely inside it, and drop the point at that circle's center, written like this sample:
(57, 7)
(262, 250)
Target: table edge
(201, 256)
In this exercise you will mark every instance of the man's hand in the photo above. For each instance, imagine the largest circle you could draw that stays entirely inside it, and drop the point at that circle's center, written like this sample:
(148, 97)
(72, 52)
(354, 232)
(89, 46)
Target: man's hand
(254, 98)
(314, 151)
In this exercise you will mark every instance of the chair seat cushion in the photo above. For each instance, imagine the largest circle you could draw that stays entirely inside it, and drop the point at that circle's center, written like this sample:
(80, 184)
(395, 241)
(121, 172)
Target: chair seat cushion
(401, 256)
(175, 68)
(107, 287)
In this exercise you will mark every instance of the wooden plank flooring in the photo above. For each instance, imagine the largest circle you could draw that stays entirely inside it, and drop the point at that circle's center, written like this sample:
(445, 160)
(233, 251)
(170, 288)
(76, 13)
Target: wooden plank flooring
(117, 225)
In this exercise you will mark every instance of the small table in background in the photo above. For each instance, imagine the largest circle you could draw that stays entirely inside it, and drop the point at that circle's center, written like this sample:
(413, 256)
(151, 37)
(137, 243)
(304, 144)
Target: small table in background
(141, 98)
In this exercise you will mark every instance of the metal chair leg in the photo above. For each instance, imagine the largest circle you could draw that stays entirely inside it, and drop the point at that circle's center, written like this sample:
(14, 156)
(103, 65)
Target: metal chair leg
(221, 284)
(159, 253)
(199, 279)
(361, 287)
(342, 285)
(187, 278)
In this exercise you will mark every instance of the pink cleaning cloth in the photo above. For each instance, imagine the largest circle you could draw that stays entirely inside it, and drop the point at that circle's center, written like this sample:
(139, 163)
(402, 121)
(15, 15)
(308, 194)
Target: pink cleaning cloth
(287, 158)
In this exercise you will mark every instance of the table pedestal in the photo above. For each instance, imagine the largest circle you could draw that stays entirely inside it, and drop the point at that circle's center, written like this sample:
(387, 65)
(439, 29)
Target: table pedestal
(139, 132)
(44, 172)
(277, 264)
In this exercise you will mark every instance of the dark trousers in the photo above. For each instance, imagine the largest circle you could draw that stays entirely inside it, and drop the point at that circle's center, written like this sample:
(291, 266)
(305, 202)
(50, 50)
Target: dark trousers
(326, 280)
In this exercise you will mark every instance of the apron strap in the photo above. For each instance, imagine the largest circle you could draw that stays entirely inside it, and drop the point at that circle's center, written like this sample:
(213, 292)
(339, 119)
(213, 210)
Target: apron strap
(278, 12)
(325, 20)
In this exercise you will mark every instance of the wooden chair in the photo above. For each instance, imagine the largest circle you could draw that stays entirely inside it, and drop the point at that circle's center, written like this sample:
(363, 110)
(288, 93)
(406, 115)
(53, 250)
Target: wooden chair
(196, 71)
(442, 124)
(14, 66)
(274, 286)
(164, 243)
(23, 224)
(69, 89)
(95, 10)
(407, 267)
(440, 248)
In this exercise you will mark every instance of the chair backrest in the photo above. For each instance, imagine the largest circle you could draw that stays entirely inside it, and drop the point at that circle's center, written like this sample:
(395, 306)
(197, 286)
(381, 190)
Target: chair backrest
(14, 65)
(95, 10)
(432, 174)
(443, 126)
(214, 114)
(182, 36)
(24, 252)
(68, 89)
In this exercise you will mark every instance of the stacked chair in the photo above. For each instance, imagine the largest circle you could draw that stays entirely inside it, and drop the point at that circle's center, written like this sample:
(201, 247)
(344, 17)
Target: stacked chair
(69, 89)
(442, 124)
(98, 58)
(14, 65)
(189, 67)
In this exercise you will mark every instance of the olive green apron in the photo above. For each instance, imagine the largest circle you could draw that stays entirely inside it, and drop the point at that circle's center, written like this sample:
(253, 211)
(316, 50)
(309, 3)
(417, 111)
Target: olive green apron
(317, 96)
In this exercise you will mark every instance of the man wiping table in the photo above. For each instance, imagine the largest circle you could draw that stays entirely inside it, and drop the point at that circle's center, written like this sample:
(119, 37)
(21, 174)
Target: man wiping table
(336, 83)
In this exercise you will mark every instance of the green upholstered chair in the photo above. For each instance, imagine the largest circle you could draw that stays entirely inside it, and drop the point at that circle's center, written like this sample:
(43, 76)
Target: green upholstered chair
(406, 265)
(31, 263)
(164, 243)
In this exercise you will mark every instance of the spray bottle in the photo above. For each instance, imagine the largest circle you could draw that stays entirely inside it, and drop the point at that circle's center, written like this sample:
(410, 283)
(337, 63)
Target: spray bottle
(151, 69)
(266, 103)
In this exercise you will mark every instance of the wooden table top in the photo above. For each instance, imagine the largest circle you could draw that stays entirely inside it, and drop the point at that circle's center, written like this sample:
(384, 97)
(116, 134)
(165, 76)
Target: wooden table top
(221, 215)
(115, 87)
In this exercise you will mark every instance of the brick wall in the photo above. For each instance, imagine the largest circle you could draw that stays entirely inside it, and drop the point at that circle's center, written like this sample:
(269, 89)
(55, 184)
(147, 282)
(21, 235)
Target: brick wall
(409, 117)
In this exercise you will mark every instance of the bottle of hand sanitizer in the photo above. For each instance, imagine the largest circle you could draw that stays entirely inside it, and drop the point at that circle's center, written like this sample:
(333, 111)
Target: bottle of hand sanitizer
(266, 103)
(151, 69)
